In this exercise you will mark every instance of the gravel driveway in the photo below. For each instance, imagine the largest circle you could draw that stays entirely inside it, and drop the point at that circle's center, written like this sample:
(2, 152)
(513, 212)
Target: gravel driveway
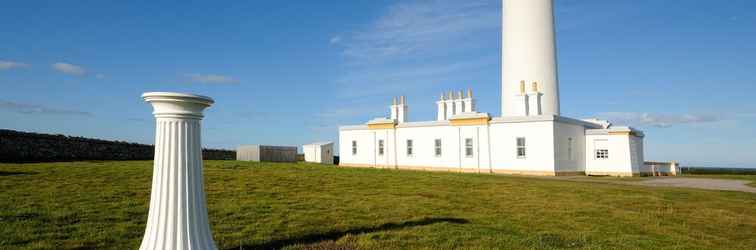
(711, 184)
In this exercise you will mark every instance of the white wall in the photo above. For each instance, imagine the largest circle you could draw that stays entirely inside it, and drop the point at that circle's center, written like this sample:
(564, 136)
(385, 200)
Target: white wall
(539, 138)
(318, 153)
(569, 161)
(424, 149)
(495, 148)
(365, 149)
(619, 161)
(453, 153)
(309, 153)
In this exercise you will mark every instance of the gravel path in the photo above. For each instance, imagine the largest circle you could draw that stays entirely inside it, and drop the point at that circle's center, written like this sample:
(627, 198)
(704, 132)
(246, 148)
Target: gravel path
(711, 184)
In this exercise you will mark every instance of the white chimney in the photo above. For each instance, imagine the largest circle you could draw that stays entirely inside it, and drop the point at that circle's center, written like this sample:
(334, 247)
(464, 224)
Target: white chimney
(468, 102)
(534, 100)
(459, 104)
(402, 113)
(441, 103)
(394, 109)
(450, 105)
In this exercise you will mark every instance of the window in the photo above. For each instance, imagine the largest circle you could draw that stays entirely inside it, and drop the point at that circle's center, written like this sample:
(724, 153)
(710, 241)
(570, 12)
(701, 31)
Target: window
(380, 147)
(521, 147)
(469, 147)
(569, 148)
(602, 154)
(409, 147)
(438, 147)
(354, 147)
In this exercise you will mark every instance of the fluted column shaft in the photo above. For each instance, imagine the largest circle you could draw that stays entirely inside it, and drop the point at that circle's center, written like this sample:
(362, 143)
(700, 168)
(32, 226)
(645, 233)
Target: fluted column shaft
(178, 211)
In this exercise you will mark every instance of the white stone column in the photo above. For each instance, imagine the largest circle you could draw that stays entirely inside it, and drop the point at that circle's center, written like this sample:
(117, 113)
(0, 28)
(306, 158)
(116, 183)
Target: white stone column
(178, 210)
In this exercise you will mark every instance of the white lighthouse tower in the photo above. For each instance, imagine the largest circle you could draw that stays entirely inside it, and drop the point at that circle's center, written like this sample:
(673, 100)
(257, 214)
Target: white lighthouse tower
(529, 59)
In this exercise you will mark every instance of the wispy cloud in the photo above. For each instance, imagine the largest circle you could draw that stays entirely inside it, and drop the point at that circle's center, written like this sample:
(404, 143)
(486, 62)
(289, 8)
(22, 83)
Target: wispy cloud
(30, 109)
(657, 120)
(69, 69)
(211, 78)
(330, 119)
(335, 39)
(8, 65)
(415, 44)
(421, 27)
(386, 80)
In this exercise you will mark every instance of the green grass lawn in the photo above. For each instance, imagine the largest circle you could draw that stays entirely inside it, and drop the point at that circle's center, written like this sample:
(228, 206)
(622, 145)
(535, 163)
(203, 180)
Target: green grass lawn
(104, 205)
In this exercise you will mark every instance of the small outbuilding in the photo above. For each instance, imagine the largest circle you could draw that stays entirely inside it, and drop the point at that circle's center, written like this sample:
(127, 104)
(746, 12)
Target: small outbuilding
(265, 153)
(321, 152)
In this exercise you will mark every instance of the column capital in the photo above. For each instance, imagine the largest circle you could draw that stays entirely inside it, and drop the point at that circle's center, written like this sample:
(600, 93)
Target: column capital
(177, 105)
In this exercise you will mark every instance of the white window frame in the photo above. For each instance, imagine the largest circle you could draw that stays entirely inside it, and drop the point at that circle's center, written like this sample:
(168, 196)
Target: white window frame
(354, 147)
(410, 149)
(569, 148)
(469, 148)
(381, 149)
(602, 154)
(521, 148)
(437, 147)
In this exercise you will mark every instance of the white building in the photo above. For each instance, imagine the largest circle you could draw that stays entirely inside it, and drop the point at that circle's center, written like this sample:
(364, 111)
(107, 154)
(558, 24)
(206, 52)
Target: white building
(321, 152)
(529, 138)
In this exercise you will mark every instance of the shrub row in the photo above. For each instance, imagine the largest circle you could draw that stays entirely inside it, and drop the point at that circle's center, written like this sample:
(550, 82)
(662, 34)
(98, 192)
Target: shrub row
(16, 146)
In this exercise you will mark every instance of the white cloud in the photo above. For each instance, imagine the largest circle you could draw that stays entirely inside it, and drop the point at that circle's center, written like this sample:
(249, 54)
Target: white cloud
(335, 39)
(657, 120)
(416, 44)
(329, 119)
(70, 69)
(384, 80)
(211, 78)
(29, 109)
(7, 65)
(419, 27)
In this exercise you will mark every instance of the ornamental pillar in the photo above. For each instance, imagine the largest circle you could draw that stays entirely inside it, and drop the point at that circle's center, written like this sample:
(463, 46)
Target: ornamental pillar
(178, 209)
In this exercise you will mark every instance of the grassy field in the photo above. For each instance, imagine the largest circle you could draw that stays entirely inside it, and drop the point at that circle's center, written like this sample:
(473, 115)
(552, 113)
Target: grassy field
(299, 206)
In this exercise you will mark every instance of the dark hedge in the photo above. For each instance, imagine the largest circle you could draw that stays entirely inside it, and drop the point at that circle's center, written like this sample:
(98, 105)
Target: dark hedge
(16, 146)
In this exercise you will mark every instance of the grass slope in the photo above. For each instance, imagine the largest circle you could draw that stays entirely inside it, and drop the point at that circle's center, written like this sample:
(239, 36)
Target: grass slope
(261, 206)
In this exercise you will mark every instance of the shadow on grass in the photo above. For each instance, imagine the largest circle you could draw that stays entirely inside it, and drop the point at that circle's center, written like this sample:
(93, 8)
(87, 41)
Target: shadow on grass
(335, 235)
(11, 173)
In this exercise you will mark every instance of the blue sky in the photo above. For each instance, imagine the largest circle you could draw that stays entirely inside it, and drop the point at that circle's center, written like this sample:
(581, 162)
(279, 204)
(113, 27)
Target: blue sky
(291, 72)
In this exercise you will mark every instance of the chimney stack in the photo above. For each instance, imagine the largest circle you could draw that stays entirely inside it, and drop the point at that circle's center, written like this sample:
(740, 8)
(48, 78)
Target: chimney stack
(441, 113)
(402, 110)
